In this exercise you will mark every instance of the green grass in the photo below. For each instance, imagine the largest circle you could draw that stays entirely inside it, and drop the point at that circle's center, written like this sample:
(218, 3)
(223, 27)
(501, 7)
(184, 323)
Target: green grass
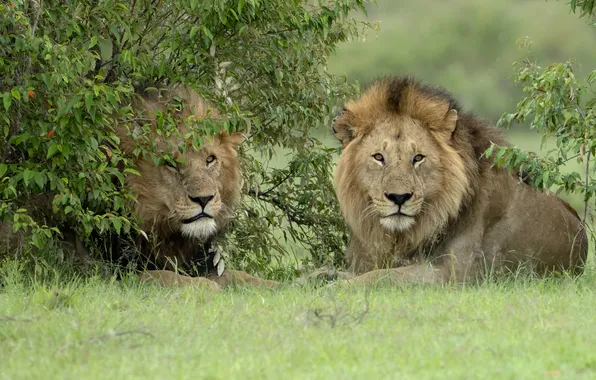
(96, 329)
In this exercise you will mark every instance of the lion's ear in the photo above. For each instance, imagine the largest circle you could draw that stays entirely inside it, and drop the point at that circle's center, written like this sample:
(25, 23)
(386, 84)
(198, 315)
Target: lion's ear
(235, 139)
(445, 131)
(342, 132)
(451, 120)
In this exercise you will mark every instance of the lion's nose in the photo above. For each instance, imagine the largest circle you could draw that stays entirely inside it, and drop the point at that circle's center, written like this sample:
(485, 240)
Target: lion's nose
(398, 199)
(202, 200)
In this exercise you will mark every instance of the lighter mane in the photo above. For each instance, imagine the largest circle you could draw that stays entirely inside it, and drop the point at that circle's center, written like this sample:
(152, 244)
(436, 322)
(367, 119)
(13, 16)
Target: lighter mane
(419, 103)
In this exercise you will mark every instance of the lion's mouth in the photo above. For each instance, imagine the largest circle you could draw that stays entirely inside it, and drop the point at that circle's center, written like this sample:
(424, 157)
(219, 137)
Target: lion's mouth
(398, 213)
(196, 217)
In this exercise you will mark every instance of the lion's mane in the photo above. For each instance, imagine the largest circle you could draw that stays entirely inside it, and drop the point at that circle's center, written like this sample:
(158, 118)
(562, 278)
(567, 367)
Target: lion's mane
(468, 180)
(168, 245)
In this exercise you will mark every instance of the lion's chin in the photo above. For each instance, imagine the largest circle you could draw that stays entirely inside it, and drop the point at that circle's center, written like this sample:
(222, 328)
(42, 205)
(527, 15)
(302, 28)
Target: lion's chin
(200, 229)
(397, 223)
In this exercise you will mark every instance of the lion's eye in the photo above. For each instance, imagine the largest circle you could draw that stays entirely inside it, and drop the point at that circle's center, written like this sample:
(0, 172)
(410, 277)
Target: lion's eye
(418, 158)
(210, 159)
(379, 157)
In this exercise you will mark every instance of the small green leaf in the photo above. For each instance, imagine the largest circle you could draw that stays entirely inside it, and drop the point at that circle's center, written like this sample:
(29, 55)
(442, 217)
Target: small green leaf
(155, 159)
(500, 153)
(112, 99)
(132, 171)
(52, 150)
(35, 240)
(39, 179)
(89, 101)
(3, 169)
(105, 49)
(118, 203)
(93, 42)
(489, 151)
(207, 32)
(116, 173)
(15, 93)
(7, 100)
(545, 178)
(193, 31)
(27, 174)
(117, 225)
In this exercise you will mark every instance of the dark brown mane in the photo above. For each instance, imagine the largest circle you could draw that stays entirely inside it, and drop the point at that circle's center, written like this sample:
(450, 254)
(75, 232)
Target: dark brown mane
(398, 85)
(405, 94)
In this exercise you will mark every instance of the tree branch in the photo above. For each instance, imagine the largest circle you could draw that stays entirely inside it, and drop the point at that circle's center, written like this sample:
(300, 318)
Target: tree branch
(587, 184)
(34, 27)
(276, 185)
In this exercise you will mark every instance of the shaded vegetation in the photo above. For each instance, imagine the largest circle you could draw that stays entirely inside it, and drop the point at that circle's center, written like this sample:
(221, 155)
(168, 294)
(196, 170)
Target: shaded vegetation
(68, 71)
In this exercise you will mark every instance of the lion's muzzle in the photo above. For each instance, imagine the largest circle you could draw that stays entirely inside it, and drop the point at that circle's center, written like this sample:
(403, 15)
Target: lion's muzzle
(201, 224)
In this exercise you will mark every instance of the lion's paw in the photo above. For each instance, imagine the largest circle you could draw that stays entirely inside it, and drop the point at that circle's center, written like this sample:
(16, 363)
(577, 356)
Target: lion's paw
(169, 278)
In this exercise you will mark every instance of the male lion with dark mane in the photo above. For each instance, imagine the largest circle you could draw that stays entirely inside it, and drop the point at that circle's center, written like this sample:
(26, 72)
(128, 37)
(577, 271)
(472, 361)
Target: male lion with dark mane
(422, 203)
(183, 206)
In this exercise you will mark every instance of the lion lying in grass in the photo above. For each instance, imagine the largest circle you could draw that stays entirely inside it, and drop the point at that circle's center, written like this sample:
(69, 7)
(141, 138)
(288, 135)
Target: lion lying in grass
(184, 205)
(422, 204)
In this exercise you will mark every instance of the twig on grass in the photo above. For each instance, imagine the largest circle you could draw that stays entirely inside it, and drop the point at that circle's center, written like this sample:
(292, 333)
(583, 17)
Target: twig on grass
(102, 338)
(340, 314)
(6, 318)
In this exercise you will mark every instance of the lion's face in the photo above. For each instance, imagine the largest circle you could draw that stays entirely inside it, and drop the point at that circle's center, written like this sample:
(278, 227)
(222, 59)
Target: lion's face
(194, 198)
(400, 170)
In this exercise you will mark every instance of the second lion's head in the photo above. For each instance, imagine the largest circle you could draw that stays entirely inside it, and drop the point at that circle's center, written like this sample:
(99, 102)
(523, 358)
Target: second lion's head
(401, 169)
(195, 191)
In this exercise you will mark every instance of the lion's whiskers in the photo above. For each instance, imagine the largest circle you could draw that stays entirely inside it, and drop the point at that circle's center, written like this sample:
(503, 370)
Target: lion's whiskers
(369, 211)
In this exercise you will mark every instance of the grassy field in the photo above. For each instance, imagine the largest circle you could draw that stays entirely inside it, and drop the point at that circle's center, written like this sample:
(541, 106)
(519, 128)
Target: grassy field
(94, 329)
(518, 329)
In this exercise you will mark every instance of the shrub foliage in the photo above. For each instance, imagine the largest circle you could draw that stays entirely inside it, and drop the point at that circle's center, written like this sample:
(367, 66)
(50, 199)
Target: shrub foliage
(563, 110)
(68, 71)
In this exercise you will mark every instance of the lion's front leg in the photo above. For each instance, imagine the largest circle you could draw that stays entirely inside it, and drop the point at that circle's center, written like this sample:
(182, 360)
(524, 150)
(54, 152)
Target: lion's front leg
(236, 277)
(419, 273)
(169, 278)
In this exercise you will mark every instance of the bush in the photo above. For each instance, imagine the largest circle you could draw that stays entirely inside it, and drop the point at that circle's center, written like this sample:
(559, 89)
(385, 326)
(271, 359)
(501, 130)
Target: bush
(563, 110)
(69, 69)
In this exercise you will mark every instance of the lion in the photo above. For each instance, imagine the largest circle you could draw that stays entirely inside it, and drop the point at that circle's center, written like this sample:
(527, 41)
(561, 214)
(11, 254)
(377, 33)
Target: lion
(183, 204)
(424, 205)
(187, 202)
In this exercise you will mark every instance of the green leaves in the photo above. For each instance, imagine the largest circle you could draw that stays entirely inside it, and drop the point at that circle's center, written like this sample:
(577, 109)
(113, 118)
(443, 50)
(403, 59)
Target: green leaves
(6, 100)
(586, 6)
(563, 110)
(106, 49)
(52, 150)
(15, 93)
(262, 64)
(193, 31)
(207, 33)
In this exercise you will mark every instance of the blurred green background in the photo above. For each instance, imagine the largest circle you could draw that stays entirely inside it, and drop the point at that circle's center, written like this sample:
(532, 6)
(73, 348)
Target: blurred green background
(469, 47)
